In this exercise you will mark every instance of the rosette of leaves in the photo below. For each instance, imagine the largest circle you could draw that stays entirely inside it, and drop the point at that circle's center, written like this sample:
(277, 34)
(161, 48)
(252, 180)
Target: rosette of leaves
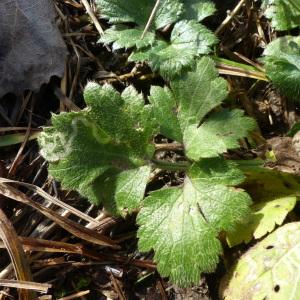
(282, 64)
(188, 38)
(106, 153)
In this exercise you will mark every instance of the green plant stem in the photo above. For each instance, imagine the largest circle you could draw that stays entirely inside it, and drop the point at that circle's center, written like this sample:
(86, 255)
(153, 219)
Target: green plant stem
(170, 166)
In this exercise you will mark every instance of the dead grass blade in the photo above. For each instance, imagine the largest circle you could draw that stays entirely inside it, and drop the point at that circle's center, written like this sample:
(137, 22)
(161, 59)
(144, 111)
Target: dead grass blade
(76, 295)
(17, 255)
(54, 200)
(235, 71)
(32, 244)
(18, 159)
(28, 285)
(70, 226)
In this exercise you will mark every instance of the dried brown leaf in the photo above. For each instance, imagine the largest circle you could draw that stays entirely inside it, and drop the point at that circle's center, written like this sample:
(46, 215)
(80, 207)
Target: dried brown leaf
(31, 47)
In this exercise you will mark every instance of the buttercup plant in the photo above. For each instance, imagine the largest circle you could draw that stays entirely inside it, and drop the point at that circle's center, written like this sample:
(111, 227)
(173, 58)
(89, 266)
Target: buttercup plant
(111, 155)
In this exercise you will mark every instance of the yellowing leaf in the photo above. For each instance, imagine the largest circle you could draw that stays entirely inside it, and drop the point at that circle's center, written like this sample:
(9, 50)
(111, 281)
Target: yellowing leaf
(265, 217)
(269, 270)
(274, 213)
(275, 195)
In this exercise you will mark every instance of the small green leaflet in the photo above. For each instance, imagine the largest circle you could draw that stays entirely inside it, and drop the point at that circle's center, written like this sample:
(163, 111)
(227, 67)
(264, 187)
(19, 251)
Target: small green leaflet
(269, 270)
(188, 40)
(284, 14)
(282, 64)
(183, 113)
(212, 137)
(137, 12)
(198, 9)
(122, 37)
(103, 151)
(182, 224)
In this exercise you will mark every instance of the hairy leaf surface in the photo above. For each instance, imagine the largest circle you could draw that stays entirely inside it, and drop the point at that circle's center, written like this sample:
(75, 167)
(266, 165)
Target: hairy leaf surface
(137, 12)
(282, 63)
(220, 132)
(122, 37)
(181, 109)
(284, 14)
(182, 224)
(188, 39)
(198, 9)
(103, 151)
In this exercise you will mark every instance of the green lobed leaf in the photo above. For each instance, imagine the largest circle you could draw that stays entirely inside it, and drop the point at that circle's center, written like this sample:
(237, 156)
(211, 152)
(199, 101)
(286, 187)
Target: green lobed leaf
(198, 92)
(182, 108)
(282, 64)
(139, 11)
(220, 132)
(122, 37)
(190, 99)
(182, 224)
(284, 14)
(269, 270)
(198, 9)
(103, 151)
(165, 112)
(188, 40)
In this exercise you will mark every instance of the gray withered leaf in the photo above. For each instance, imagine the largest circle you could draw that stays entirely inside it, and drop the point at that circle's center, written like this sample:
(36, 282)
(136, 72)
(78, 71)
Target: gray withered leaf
(31, 47)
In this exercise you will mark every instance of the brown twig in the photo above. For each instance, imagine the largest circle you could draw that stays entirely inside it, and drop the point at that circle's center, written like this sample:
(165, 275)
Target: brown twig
(92, 16)
(229, 17)
(70, 226)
